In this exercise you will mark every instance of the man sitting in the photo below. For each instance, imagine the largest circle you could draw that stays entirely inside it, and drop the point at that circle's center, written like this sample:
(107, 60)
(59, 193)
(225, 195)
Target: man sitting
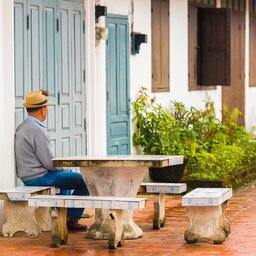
(34, 155)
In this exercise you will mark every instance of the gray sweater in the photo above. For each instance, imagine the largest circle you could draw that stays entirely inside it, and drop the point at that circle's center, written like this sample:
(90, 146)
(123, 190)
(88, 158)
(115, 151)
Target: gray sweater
(33, 151)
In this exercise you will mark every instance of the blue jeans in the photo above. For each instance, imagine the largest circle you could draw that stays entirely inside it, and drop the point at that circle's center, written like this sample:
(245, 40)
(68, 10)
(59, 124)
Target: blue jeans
(65, 181)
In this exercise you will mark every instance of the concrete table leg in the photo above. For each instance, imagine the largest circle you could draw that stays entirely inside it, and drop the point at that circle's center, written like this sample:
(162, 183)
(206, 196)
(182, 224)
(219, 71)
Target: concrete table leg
(131, 229)
(205, 224)
(101, 227)
(113, 181)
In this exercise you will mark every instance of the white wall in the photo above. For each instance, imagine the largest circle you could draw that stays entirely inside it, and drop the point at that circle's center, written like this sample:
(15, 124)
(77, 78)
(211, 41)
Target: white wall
(139, 12)
(141, 63)
(250, 92)
(117, 6)
(7, 171)
(250, 109)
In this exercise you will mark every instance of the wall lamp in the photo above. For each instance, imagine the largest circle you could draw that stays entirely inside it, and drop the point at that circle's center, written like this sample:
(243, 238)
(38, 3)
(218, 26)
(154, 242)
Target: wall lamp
(137, 40)
(100, 11)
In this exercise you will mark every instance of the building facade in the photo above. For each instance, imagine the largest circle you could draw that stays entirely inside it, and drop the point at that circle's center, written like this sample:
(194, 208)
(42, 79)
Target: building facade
(93, 74)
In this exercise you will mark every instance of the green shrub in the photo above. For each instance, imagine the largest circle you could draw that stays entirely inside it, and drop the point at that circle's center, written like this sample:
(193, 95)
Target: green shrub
(158, 132)
(212, 148)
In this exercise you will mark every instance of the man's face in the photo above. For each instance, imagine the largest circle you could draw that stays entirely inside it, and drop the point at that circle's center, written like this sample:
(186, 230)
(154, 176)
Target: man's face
(44, 112)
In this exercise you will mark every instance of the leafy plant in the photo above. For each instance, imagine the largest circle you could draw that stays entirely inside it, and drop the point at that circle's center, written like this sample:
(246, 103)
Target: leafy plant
(222, 163)
(158, 131)
(212, 148)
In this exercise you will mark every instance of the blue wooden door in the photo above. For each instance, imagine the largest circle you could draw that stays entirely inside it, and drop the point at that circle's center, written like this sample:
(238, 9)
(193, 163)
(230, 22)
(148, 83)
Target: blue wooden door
(117, 62)
(50, 60)
(71, 86)
(48, 39)
(21, 58)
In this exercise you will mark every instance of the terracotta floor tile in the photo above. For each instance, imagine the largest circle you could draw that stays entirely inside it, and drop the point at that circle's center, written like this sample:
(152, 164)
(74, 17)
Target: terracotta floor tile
(168, 241)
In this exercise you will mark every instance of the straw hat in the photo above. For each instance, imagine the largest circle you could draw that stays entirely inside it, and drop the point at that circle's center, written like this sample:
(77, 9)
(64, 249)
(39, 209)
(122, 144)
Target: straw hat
(37, 99)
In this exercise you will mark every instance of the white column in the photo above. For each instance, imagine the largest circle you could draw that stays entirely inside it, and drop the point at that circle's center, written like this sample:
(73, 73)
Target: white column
(178, 48)
(90, 74)
(7, 103)
(95, 84)
(249, 100)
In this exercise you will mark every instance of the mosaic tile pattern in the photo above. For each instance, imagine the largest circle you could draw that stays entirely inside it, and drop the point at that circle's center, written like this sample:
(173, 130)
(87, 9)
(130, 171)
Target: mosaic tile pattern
(125, 203)
(171, 188)
(206, 196)
(22, 193)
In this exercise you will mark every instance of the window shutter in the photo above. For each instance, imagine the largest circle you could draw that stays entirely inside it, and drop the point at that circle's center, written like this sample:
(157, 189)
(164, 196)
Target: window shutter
(214, 46)
(160, 45)
(252, 50)
(192, 45)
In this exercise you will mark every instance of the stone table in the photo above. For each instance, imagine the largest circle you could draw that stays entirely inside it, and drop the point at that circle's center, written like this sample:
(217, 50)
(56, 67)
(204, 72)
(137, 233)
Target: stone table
(119, 176)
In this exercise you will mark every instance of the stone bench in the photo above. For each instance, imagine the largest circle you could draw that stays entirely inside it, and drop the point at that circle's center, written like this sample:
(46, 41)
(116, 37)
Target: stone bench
(20, 217)
(59, 205)
(159, 190)
(205, 209)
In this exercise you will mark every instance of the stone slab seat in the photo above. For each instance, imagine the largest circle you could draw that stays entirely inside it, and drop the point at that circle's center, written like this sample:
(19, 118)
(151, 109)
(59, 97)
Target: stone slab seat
(159, 190)
(59, 205)
(205, 209)
(20, 217)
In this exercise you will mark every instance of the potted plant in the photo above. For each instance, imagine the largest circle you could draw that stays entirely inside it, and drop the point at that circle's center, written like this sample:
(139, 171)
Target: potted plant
(212, 149)
(159, 133)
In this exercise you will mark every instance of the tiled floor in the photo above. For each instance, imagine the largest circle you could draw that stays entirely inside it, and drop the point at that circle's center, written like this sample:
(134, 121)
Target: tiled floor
(241, 213)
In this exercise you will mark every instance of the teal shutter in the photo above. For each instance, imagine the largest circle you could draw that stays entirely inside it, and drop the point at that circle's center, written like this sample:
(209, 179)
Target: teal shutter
(118, 116)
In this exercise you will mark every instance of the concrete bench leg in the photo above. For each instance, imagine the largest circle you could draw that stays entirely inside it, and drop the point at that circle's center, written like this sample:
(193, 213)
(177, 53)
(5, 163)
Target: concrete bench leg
(59, 227)
(20, 217)
(116, 234)
(43, 218)
(159, 211)
(224, 224)
(205, 224)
